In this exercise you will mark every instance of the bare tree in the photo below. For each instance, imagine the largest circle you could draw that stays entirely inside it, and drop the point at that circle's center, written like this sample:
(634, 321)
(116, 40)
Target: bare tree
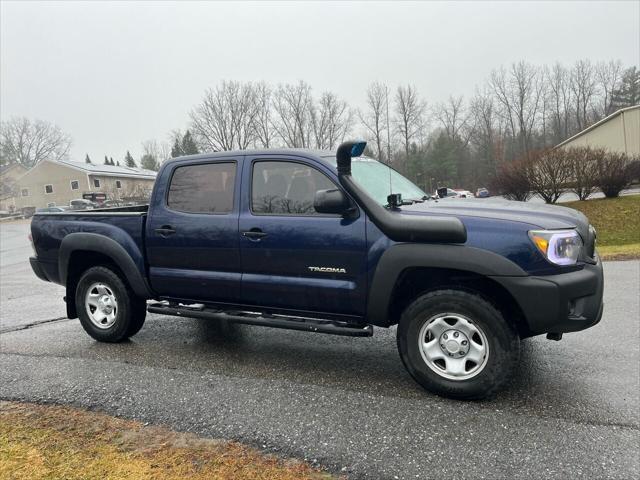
(608, 76)
(557, 79)
(29, 142)
(583, 88)
(455, 119)
(488, 131)
(519, 91)
(293, 106)
(332, 120)
(374, 118)
(160, 151)
(263, 122)
(225, 118)
(410, 112)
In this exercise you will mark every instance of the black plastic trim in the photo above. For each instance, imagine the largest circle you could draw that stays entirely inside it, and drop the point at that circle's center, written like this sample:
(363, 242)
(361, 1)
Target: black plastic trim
(400, 257)
(94, 242)
(567, 302)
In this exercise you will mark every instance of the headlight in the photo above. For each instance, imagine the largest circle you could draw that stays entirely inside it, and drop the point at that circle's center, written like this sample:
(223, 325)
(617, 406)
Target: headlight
(561, 247)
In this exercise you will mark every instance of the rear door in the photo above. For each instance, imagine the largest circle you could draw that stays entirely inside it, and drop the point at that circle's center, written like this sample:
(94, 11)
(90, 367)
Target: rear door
(294, 258)
(192, 231)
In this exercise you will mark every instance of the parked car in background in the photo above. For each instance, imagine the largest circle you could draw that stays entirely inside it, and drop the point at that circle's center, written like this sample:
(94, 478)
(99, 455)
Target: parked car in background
(113, 203)
(463, 193)
(51, 209)
(482, 193)
(81, 204)
(445, 192)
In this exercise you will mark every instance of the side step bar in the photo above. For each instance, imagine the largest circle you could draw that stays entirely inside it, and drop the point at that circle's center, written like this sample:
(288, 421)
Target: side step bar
(266, 320)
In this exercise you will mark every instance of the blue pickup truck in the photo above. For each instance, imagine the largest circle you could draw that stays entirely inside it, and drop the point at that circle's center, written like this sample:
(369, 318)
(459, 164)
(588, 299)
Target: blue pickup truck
(313, 240)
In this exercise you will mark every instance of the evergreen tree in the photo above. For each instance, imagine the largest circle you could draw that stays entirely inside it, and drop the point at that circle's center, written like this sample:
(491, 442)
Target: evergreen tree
(106, 160)
(628, 94)
(442, 160)
(189, 146)
(87, 159)
(176, 150)
(118, 162)
(112, 162)
(149, 162)
(129, 161)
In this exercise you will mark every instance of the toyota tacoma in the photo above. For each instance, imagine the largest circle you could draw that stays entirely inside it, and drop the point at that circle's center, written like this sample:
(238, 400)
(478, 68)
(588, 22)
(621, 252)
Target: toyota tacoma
(331, 242)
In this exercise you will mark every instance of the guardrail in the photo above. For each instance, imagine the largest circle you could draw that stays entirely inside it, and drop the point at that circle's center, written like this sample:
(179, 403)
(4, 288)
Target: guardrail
(12, 217)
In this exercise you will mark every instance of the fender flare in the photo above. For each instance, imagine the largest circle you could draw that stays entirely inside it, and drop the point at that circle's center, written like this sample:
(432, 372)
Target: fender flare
(400, 257)
(94, 242)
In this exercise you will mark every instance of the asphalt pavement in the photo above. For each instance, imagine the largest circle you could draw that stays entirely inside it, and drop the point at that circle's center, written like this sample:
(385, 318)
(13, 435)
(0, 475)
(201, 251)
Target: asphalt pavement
(347, 404)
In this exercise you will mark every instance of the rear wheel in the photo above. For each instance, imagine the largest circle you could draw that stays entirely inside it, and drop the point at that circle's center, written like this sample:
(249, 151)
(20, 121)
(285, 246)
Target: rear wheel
(108, 309)
(456, 344)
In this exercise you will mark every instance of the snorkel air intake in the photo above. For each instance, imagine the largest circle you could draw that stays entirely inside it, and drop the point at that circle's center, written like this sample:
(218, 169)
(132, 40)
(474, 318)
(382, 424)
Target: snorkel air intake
(395, 225)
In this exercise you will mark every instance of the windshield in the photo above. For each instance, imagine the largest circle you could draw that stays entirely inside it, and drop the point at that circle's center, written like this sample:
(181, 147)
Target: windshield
(373, 177)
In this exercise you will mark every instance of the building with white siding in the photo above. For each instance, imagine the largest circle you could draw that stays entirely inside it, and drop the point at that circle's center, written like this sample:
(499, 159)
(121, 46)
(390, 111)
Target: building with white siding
(619, 132)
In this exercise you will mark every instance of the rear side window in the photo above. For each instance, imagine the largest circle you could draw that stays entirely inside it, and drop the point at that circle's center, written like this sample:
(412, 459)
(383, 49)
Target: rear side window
(206, 188)
(286, 188)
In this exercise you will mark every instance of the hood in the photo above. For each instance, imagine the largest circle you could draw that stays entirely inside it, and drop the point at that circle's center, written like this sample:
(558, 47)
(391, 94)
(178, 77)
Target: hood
(542, 215)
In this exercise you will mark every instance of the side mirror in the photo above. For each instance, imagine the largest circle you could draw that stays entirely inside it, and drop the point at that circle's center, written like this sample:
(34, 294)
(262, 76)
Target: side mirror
(442, 192)
(331, 201)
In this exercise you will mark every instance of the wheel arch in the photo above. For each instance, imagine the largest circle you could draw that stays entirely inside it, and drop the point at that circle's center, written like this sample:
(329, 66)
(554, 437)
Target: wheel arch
(406, 271)
(80, 251)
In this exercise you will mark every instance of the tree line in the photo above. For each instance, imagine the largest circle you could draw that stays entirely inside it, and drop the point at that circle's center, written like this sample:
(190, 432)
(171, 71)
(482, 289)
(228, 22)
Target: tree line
(517, 111)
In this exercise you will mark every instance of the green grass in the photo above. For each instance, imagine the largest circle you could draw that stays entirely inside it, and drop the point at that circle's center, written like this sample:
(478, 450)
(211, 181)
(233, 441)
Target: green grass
(617, 221)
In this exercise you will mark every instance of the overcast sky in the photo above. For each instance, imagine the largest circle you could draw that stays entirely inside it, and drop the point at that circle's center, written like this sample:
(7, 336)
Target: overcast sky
(115, 74)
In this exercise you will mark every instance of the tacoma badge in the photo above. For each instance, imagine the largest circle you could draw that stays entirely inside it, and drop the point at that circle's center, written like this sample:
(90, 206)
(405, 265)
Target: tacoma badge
(327, 269)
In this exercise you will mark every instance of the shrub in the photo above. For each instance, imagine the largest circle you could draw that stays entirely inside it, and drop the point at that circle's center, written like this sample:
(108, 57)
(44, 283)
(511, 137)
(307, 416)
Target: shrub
(549, 171)
(615, 171)
(512, 182)
(583, 169)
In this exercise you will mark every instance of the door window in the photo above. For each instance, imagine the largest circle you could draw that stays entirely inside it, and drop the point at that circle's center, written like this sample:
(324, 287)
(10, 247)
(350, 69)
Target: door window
(204, 188)
(286, 188)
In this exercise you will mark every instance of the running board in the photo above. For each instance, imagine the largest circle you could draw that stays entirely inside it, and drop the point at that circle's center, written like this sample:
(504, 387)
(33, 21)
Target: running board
(266, 320)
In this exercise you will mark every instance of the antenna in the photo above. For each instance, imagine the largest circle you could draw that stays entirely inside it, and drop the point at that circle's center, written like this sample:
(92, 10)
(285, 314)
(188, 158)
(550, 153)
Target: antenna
(386, 94)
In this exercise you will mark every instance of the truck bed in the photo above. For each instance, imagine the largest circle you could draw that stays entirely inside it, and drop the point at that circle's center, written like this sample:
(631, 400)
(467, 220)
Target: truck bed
(125, 225)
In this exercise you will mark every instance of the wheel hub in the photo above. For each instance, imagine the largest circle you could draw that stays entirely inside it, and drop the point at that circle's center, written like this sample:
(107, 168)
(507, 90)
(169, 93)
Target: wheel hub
(101, 305)
(105, 304)
(454, 343)
(453, 346)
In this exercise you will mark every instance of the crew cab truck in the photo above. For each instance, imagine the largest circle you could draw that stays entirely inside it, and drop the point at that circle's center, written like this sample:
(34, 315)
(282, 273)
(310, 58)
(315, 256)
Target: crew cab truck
(312, 240)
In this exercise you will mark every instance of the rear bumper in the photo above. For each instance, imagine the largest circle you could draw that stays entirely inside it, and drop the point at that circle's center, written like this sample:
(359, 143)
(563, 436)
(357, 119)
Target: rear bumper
(38, 268)
(562, 303)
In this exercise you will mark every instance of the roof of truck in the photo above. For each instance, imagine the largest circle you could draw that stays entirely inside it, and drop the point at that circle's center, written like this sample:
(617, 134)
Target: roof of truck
(306, 152)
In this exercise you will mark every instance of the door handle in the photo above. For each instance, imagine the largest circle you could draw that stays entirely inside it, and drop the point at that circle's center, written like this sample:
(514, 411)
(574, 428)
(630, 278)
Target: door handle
(165, 230)
(255, 234)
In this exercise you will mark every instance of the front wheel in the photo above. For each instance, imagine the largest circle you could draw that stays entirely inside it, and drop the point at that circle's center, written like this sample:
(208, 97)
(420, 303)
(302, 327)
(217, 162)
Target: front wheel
(456, 344)
(108, 309)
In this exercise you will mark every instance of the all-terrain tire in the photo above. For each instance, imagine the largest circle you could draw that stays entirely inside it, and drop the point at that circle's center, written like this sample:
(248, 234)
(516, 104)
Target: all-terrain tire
(456, 312)
(107, 308)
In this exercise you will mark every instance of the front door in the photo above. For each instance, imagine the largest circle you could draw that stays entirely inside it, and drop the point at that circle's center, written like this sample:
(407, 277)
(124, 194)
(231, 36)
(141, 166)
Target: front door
(294, 258)
(192, 231)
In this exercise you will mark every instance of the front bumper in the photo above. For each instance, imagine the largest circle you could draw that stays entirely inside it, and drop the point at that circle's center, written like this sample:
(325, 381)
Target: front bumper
(561, 303)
